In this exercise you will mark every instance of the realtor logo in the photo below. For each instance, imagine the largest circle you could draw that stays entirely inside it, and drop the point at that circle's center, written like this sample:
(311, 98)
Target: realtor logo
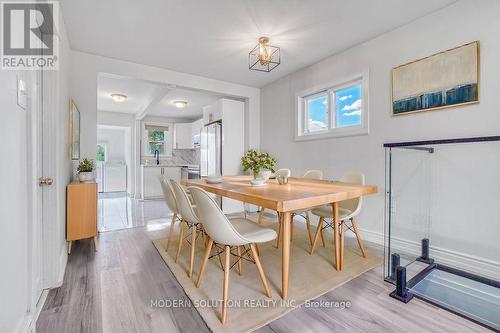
(28, 34)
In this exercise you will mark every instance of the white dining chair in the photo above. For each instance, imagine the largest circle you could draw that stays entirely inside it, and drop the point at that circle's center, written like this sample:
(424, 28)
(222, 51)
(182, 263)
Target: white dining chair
(169, 196)
(236, 233)
(310, 174)
(348, 210)
(279, 172)
(189, 216)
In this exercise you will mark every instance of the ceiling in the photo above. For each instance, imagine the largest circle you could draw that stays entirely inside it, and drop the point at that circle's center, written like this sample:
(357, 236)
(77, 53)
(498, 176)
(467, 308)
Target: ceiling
(150, 99)
(213, 38)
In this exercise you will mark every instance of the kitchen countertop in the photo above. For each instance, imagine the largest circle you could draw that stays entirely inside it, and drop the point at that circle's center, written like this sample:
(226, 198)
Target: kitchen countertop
(169, 165)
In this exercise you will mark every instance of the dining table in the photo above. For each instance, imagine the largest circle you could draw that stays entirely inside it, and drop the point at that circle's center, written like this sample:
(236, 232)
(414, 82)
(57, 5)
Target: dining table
(296, 195)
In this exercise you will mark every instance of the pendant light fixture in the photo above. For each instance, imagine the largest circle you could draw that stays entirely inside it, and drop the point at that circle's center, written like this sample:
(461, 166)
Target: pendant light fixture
(264, 57)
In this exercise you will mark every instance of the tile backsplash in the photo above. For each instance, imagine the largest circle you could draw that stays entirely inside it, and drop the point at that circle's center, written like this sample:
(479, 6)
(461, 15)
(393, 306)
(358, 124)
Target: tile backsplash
(179, 156)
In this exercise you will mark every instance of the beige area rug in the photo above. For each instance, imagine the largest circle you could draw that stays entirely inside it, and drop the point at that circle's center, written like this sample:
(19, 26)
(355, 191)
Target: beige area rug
(310, 277)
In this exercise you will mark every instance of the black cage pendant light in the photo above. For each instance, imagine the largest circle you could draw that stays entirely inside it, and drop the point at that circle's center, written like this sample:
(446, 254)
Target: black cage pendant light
(264, 57)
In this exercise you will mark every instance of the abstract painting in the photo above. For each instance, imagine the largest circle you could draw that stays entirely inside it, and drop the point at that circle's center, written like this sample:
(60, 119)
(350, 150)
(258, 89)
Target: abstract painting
(445, 79)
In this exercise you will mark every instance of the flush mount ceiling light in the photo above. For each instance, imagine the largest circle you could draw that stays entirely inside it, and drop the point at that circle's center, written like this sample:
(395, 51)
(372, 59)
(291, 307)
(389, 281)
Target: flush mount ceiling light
(264, 57)
(118, 97)
(180, 104)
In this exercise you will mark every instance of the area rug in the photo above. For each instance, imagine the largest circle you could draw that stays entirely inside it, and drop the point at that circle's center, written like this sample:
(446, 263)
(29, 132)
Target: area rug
(249, 309)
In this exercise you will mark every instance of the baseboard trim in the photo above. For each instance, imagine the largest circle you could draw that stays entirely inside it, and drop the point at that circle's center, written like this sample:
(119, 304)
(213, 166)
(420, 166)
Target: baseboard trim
(463, 261)
(63, 261)
(41, 302)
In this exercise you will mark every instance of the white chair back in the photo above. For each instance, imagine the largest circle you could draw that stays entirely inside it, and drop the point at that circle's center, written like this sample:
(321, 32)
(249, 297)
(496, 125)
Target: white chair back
(183, 204)
(354, 205)
(168, 194)
(313, 174)
(215, 223)
(283, 172)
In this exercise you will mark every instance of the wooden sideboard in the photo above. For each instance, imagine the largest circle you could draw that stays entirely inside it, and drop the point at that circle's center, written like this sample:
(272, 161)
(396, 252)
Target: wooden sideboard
(81, 220)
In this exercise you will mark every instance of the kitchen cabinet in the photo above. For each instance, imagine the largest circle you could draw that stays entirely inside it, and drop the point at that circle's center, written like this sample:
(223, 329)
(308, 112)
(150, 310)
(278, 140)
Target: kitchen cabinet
(196, 128)
(151, 187)
(183, 136)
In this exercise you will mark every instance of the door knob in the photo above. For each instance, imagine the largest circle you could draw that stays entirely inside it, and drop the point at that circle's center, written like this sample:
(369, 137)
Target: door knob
(45, 181)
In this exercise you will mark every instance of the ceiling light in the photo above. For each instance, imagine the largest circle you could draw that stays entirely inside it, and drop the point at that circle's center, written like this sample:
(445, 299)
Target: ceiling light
(118, 97)
(264, 57)
(180, 104)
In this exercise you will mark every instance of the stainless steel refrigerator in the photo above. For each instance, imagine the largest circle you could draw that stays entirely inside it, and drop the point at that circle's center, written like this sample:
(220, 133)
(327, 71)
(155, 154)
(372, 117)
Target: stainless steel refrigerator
(211, 150)
(211, 153)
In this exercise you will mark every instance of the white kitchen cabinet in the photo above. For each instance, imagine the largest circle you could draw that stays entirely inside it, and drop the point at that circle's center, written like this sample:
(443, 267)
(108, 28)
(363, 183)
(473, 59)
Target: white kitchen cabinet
(183, 136)
(151, 187)
(196, 128)
(151, 182)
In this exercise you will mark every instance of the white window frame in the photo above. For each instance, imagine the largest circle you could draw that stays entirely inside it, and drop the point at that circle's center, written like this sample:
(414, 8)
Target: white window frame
(300, 116)
(168, 139)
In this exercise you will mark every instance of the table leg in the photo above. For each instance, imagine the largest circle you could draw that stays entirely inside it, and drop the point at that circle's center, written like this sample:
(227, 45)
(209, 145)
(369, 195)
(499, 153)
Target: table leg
(336, 243)
(285, 253)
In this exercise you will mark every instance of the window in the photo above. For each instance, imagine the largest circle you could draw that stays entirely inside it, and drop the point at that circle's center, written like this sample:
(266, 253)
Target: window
(156, 141)
(316, 110)
(339, 110)
(157, 138)
(101, 153)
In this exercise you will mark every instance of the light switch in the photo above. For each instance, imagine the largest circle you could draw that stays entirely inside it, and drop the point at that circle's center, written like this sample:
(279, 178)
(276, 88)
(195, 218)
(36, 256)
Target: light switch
(22, 93)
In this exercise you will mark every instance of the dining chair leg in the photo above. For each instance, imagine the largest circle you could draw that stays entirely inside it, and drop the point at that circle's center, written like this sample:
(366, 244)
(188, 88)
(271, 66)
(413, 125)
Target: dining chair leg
(316, 235)
(291, 227)
(181, 239)
(308, 225)
(240, 260)
(259, 268)
(261, 214)
(257, 248)
(171, 231)
(225, 289)
(208, 249)
(322, 238)
(358, 237)
(193, 248)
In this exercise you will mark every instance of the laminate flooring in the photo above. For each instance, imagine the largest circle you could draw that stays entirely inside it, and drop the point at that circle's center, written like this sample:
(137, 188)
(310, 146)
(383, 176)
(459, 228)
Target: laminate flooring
(111, 291)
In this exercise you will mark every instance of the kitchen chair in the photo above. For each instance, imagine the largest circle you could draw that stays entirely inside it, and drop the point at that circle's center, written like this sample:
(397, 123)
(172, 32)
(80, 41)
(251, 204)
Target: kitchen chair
(279, 172)
(169, 196)
(310, 174)
(188, 215)
(227, 234)
(348, 210)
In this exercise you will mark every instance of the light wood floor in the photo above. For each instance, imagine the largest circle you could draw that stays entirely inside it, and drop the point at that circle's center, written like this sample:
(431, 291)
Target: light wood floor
(111, 291)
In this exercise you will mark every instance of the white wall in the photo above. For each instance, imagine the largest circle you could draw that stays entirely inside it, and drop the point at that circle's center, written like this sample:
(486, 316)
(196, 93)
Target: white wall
(452, 26)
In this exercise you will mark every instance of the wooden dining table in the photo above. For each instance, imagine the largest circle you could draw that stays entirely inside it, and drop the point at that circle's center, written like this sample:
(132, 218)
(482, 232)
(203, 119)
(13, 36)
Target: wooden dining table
(297, 194)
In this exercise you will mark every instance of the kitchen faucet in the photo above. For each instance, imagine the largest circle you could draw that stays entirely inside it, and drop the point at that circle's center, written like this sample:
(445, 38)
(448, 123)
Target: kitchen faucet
(157, 156)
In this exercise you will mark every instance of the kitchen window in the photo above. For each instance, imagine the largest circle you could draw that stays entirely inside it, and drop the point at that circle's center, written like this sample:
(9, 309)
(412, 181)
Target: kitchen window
(335, 111)
(157, 137)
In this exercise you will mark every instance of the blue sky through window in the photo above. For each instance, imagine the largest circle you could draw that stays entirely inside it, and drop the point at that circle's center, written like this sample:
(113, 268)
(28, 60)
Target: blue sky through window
(317, 113)
(348, 106)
